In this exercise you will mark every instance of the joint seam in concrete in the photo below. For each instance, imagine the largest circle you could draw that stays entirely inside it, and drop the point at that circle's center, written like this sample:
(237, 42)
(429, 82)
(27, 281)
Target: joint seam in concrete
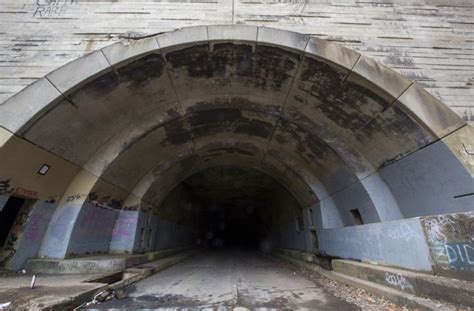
(290, 89)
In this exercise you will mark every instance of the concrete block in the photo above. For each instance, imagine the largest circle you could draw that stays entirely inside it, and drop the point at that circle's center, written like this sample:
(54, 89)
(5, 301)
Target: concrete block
(385, 243)
(282, 38)
(19, 111)
(377, 75)
(85, 69)
(232, 33)
(129, 50)
(182, 37)
(437, 117)
(332, 52)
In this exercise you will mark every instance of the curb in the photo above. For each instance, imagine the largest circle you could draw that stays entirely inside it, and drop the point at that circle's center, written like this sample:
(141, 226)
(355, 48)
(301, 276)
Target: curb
(398, 297)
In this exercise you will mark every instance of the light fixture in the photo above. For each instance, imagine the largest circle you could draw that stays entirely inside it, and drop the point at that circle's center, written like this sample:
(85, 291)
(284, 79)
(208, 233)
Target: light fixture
(44, 169)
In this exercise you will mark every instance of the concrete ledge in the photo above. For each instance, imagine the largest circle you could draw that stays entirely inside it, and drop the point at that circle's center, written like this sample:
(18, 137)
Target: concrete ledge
(396, 296)
(96, 264)
(419, 284)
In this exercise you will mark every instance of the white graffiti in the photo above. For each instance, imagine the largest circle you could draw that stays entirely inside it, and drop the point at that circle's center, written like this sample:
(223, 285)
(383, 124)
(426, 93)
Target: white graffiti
(435, 227)
(404, 232)
(398, 280)
(435, 230)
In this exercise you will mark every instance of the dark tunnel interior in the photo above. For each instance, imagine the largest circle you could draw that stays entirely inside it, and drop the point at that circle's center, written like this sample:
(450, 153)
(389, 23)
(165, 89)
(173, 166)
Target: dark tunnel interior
(235, 207)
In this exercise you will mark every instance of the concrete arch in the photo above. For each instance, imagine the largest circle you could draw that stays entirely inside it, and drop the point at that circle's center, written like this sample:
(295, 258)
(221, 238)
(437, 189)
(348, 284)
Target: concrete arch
(328, 113)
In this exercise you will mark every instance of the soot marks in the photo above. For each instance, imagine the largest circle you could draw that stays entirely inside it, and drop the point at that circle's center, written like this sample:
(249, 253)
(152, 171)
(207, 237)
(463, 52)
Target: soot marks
(275, 67)
(98, 88)
(347, 103)
(235, 102)
(176, 132)
(245, 149)
(240, 57)
(306, 144)
(268, 68)
(195, 60)
(255, 127)
(142, 71)
(216, 121)
(395, 134)
(215, 116)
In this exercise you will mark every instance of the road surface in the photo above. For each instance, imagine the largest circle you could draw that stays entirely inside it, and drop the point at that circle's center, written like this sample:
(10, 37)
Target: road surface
(228, 279)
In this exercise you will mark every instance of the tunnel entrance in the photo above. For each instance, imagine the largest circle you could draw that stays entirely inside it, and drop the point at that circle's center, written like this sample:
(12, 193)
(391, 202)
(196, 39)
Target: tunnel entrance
(239, 207)
(357, 157)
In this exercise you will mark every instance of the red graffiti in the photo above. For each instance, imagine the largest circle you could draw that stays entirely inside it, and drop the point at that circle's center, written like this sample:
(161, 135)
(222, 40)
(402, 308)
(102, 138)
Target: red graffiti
(26, 193)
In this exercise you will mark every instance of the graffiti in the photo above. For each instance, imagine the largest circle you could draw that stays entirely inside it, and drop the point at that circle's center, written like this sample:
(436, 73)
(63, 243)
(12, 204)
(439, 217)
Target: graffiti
(451, 242)
(33, 227)
(5, 188)
(131, 208)
(73, 197)
(403, 232)
(22, 192)
(50, 8)
(125, 226)
(398, 280)
(436, 227)
(104, 202)
(460, 255)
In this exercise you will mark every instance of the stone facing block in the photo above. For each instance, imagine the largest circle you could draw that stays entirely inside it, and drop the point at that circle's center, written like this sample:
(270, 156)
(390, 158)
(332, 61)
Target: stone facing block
(438, 118)
(282, 38)
(332, 52)
(128, 50)
(79, 71)
(182, 37)
(232, 33)
(376, 74)
(29, 103)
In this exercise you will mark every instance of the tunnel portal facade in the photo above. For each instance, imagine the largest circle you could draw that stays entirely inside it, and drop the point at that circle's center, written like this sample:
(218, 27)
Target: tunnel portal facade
(132, 147)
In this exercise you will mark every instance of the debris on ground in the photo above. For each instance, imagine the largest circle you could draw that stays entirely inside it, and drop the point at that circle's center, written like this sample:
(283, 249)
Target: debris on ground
(4, 305)
(104, 296)
(356, 296)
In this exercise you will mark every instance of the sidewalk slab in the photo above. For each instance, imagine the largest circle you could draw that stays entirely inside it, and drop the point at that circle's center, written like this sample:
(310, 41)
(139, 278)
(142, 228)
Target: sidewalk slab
(96, 264)
(67, 291)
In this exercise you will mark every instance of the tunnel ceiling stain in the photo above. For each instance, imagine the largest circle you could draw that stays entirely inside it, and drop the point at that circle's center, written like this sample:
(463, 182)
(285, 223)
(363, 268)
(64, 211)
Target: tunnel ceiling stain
(300, 109)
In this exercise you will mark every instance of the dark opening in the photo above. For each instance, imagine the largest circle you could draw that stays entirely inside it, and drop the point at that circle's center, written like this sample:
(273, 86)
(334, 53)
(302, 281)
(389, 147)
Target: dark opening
(8, 216)
(357, 217)
(233, 207)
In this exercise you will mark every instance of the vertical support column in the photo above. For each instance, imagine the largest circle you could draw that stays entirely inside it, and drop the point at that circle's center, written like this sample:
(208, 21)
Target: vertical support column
(58, 235)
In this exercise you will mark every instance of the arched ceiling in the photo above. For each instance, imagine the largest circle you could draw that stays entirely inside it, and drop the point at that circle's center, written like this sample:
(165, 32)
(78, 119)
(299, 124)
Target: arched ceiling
(146, 114)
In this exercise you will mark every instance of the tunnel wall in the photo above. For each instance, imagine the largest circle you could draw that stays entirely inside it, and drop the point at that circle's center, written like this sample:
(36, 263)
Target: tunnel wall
(282, 214)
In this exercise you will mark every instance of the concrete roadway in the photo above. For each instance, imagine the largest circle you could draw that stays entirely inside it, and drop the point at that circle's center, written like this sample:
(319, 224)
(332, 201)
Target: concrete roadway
(228, 279)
